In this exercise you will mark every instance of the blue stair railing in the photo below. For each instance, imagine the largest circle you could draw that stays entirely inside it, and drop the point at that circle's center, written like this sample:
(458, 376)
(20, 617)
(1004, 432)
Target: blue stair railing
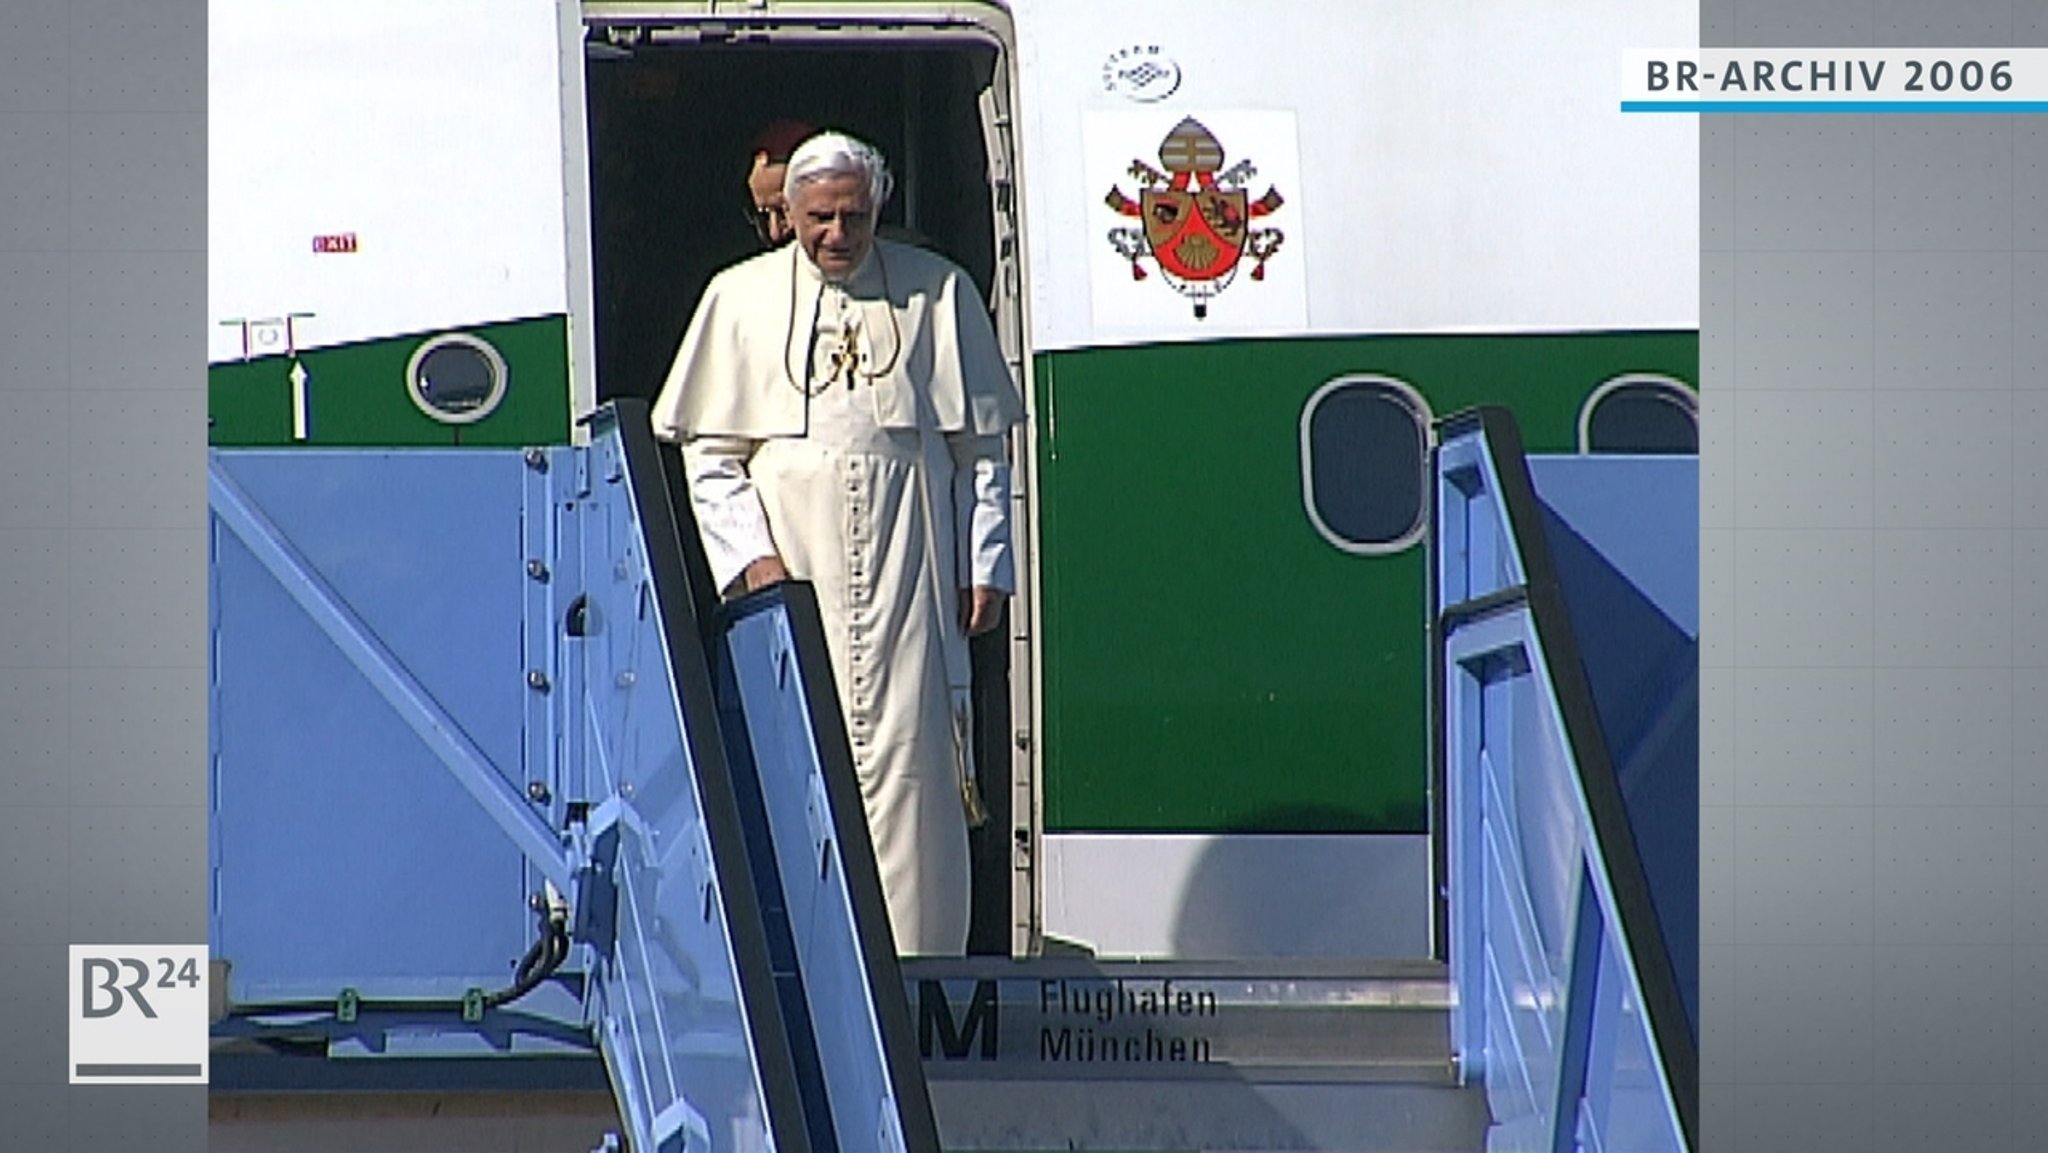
(1564, 612)
(448, 681)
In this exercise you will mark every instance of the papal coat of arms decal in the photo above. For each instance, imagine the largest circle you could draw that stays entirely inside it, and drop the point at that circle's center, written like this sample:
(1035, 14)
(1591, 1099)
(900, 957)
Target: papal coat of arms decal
(1195, 217)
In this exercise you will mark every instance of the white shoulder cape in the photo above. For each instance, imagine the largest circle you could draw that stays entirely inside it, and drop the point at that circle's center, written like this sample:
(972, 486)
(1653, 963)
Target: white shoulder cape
(743, 357)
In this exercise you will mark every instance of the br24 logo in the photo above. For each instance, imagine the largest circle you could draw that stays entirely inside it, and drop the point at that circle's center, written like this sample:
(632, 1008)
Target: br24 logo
(101, 975)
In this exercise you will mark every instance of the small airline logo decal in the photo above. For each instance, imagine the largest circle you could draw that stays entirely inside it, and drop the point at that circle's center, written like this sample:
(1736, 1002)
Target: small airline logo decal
(1195, 218)
(1142, 73)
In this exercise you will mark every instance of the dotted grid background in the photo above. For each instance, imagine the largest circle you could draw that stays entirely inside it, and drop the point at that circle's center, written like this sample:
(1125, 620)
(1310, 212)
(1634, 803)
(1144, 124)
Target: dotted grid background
(102, 520)
(1874, 820)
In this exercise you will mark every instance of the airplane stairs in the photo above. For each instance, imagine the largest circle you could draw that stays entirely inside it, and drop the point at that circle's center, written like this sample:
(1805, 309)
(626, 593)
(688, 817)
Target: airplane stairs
(619, 848)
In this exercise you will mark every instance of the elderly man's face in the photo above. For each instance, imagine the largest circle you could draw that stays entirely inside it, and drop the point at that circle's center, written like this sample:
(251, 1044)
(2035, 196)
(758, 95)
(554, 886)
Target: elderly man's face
(771, 208)
(835, 224)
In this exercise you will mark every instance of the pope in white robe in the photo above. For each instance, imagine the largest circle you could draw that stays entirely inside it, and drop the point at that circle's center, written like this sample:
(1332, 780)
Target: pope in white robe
(843, 409)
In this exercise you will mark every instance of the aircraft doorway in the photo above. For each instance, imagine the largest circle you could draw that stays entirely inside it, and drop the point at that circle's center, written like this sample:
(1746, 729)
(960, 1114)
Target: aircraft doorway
(672, 113)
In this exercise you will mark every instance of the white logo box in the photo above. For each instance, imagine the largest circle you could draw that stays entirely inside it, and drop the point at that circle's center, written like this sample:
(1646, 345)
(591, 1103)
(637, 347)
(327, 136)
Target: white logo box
(138, 1014)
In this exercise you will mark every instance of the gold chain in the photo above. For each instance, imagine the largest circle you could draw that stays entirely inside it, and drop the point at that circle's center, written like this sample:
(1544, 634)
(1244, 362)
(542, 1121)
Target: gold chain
(845, 359)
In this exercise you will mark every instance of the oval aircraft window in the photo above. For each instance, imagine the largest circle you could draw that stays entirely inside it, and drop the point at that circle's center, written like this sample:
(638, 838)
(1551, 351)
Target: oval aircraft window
(456, 378)
(1640, 414)
(1364, 447)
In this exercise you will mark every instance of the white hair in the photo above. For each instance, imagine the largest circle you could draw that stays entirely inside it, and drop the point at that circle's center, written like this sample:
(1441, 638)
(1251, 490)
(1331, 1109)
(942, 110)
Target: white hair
(836, 154)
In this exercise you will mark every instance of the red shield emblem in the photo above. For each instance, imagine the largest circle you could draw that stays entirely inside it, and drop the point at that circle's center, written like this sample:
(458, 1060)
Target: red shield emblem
(1195, 235)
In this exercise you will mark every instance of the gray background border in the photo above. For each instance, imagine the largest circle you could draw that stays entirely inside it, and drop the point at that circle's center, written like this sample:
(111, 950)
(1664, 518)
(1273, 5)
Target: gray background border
(1874, 922)
(102, 543)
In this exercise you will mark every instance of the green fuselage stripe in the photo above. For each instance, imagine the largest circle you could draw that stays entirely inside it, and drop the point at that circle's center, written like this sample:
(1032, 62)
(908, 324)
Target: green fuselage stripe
(356, 394)
(1210, 662)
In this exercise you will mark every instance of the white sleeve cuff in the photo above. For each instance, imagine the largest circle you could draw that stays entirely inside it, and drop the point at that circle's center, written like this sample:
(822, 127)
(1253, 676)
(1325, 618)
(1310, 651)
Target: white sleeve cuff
(730, 519)
(981, 511)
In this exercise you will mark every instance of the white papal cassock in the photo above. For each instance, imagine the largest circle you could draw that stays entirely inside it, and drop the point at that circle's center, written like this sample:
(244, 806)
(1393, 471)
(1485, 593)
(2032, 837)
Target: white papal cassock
(857, 431)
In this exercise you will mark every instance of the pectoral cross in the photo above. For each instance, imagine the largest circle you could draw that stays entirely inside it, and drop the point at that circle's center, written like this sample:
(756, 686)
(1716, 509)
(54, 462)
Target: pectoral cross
(844, 358)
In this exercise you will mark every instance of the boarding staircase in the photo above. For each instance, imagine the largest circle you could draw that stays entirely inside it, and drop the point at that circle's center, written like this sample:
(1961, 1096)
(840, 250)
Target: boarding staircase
(705, 934)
